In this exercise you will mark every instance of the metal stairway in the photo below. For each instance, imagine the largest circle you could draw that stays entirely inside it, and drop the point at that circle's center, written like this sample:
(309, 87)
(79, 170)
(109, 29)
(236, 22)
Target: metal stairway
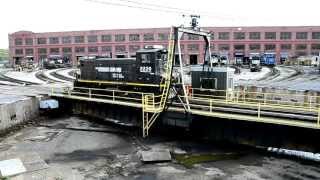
(149, 106)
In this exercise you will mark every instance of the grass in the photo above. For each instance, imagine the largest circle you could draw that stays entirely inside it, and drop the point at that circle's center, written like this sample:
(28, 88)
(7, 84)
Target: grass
(4, 54)
(188, 160)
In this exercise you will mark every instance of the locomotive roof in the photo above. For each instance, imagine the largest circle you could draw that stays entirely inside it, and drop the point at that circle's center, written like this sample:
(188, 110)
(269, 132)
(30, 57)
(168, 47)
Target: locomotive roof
(146, 50)
(108, 59)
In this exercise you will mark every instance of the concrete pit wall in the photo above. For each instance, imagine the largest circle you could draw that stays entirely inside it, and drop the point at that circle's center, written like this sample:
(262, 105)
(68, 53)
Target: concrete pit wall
(18, 111)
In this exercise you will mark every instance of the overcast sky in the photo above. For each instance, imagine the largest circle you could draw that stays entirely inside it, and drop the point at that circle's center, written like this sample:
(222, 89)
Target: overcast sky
(65, 15)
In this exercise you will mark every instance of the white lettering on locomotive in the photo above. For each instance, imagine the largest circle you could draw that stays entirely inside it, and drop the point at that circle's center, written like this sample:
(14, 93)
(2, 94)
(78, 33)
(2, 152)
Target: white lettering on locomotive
(146, 69)
(117, 76)
(109, 69)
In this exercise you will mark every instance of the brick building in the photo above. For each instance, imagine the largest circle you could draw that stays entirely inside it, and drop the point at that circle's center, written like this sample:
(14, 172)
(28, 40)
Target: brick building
(284, 41)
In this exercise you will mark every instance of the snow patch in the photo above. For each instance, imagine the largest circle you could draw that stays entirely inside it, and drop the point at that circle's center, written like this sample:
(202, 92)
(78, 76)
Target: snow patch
(25, 76)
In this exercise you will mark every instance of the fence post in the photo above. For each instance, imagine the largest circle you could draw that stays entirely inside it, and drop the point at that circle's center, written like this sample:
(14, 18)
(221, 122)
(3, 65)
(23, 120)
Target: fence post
(113, 98)
(90, 93)
(210, 108)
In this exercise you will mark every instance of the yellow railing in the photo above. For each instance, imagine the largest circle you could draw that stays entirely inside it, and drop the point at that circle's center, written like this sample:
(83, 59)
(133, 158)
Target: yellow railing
(206, 101)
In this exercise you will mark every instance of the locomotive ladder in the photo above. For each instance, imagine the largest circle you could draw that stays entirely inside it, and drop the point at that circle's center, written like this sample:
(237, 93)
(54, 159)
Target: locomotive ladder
(148, 105)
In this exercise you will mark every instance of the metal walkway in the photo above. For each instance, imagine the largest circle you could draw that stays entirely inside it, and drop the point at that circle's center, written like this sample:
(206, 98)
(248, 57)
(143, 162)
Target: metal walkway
(235, 105)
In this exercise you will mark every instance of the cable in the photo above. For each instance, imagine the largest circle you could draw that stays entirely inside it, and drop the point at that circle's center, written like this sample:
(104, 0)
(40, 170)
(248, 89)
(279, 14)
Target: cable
(161, 6)
(144, 6)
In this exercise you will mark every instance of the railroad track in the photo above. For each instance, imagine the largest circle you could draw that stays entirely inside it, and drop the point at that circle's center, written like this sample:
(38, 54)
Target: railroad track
(44, 78)
(20, 82)
(59, 76)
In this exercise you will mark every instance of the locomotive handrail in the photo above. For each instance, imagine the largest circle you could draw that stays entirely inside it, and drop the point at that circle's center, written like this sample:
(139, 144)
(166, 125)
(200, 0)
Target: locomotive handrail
(196, 109)
(263, 100)
(277, 106)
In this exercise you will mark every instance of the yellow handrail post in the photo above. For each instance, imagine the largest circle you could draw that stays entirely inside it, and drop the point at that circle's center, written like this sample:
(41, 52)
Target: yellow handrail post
(318, 117)
(259, 108)
(244, 95)
(309, 97)
(113, 96)
(238, 94)
(210, 106)
(52, 91)
(153, 105)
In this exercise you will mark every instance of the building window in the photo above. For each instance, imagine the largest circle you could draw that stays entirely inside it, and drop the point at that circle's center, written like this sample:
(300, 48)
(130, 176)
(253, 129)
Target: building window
(193, 47)
(53, 40)
(286, 46)
(93, 49)
(148, 37)
(92, 39)
(78, 39)
(106, 48)
(224, 47)
(120, 37)
(42, 40)
(239, 47)
(18, 41)
(224, 35)
(29, 51)
(67, 50)
(134, 48)
(301, 53)
(270, 35)
(66, 39)
(285, 35)
(315, 35)
(42, 51)
(301, 46)
(269, 47)
(29, 41)
(134, 37)
(212, 35)
(80, 49)
(193, 37)
(120, 48)
(163, 37)
(254, 46)
(239, 35)
(254, 35)
(106, 38)
(211, 47)
(302, 35)
(19, 51)
(54, 50)
(315, 46)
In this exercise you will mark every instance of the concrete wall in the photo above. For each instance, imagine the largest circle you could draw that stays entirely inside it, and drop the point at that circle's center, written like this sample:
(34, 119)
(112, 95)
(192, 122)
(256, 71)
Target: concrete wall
(18, 111)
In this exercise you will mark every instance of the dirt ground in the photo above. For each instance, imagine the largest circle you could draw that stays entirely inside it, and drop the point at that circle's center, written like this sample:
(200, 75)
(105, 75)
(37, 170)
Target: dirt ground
(73, 148)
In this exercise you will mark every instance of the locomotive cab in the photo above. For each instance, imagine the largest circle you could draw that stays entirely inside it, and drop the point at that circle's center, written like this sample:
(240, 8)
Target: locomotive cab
(150, 63)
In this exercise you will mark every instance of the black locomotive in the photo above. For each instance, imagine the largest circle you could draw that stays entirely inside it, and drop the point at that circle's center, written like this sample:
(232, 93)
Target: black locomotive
(143, 73)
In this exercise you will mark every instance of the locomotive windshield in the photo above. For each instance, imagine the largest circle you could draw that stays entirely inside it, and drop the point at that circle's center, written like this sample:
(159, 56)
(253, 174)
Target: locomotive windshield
(145, 58)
